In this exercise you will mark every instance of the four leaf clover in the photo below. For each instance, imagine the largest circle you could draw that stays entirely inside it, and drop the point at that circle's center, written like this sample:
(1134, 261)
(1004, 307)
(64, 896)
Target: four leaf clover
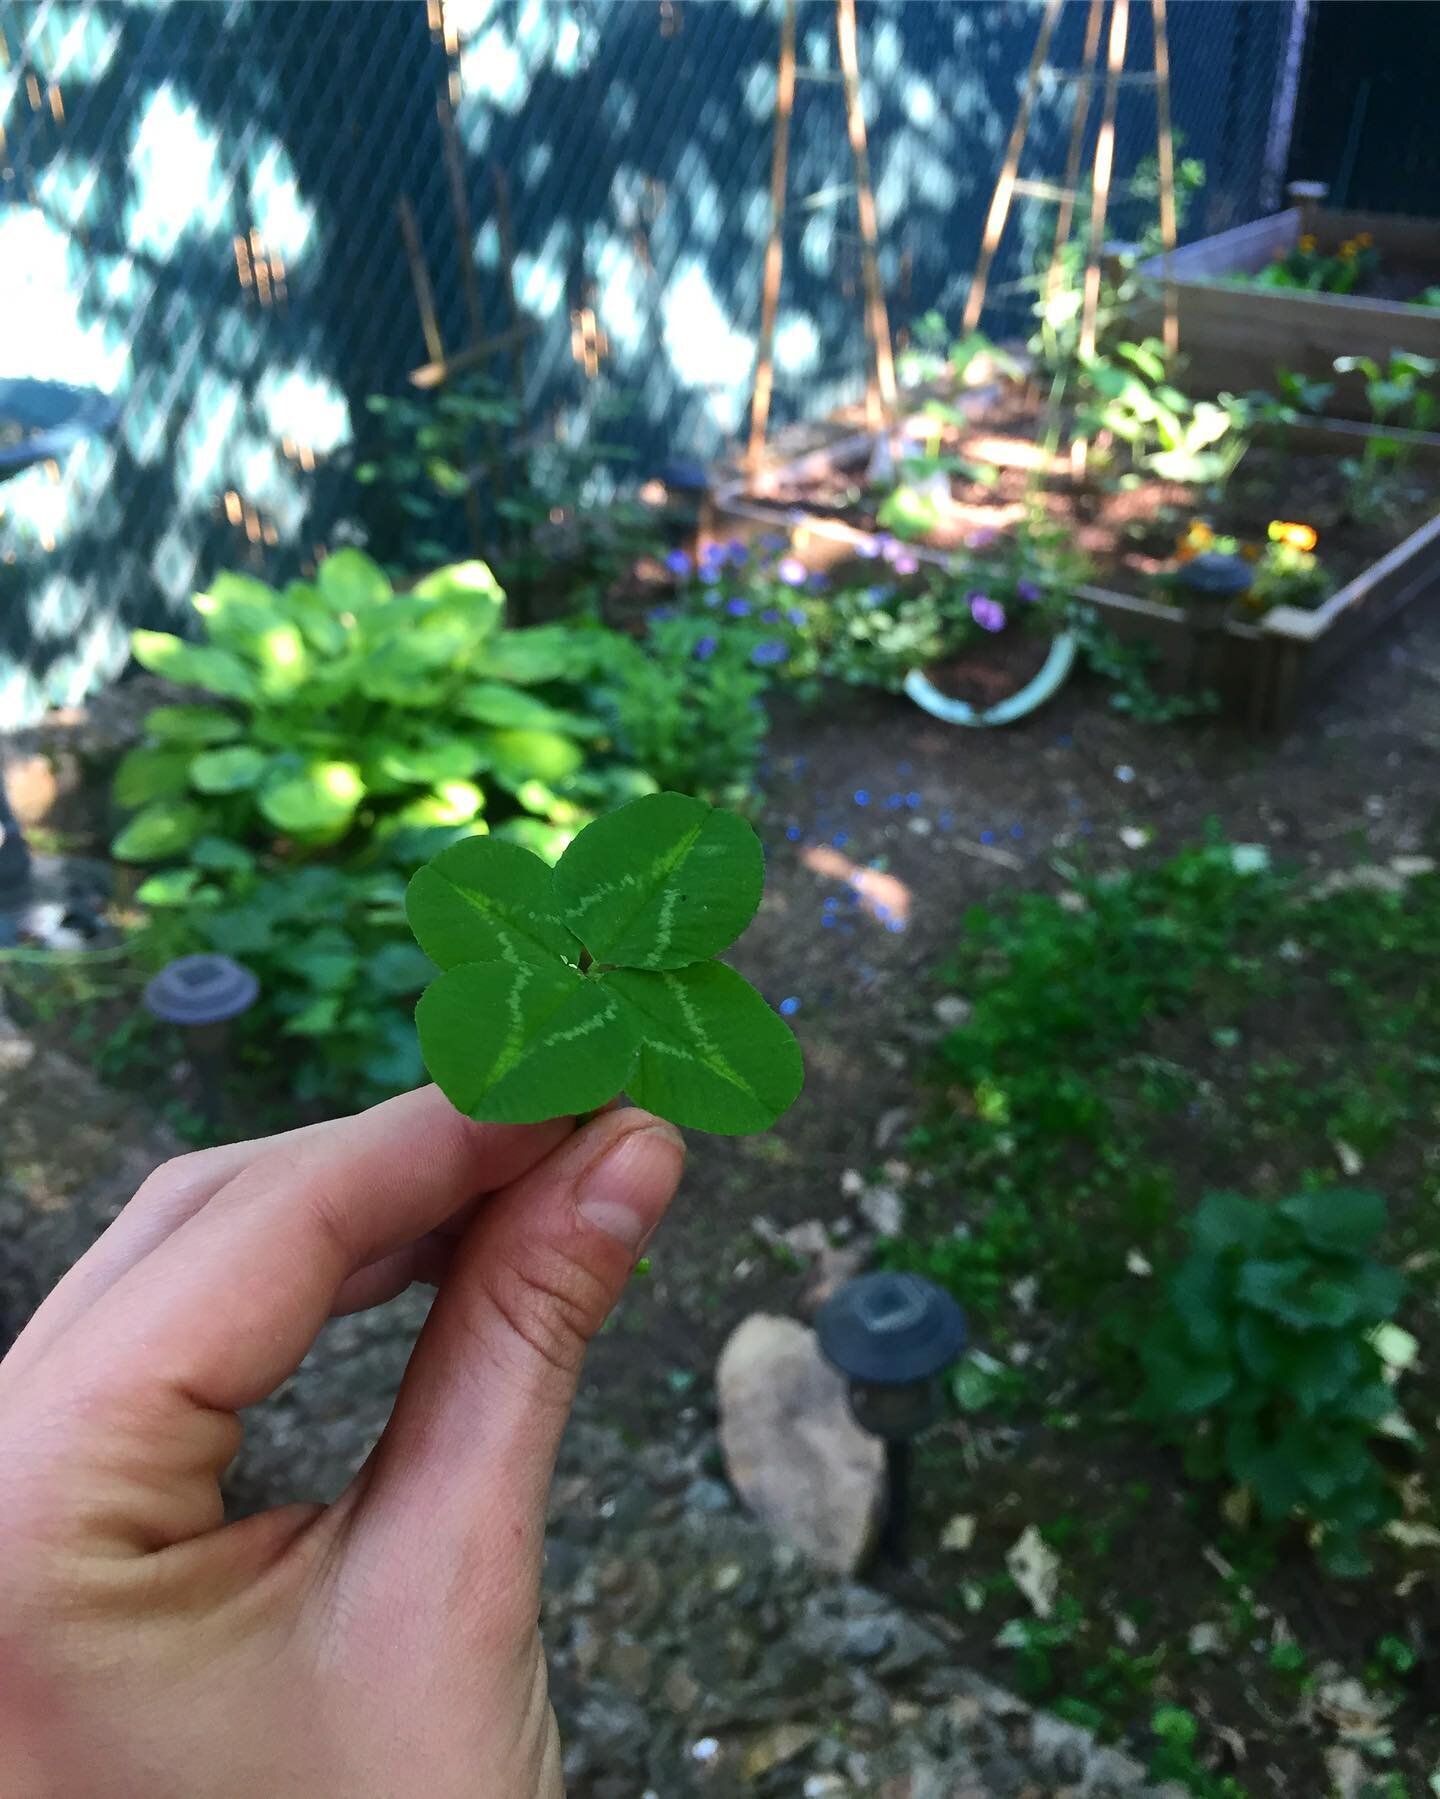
(561, 987)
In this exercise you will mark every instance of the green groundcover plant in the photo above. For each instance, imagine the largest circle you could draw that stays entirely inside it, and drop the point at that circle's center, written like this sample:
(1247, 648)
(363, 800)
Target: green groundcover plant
(560, 987)
(1267, 1364)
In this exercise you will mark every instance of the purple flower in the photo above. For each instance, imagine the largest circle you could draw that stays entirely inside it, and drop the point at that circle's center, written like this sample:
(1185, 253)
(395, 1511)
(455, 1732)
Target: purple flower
(796, 617)
(770, 616)
(1027, 591)
(710, 572)
(738, 608)
(817, 583)
(905, 564)
(659, 614)
(876, 596)
(767, 654)
(867, 547)
(792, 571)
(736, 551)
(772, 544)
(982, 539)
(788, 1007)
(705, 648)
(988, 614)
(677, 562)
(886, 544)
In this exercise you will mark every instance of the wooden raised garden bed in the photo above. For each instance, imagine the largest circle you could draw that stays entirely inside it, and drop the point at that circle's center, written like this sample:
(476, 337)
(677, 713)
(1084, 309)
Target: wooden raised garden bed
(1235, 335)
(1261, 667)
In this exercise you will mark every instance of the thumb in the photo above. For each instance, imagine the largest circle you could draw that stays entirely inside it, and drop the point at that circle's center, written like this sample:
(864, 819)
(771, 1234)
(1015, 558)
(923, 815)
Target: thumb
(466, 1459)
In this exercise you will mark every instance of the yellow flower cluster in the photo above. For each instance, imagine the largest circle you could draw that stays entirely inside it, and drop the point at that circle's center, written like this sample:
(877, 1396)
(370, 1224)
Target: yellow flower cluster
(1352, 246)
(1199, 536)
(1295, 537)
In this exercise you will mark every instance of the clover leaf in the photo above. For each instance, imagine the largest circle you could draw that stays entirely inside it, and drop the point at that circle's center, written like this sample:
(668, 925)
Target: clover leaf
(559, 988)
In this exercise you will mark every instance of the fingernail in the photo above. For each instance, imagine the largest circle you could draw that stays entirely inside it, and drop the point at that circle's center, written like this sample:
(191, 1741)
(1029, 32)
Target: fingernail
(618, 1194)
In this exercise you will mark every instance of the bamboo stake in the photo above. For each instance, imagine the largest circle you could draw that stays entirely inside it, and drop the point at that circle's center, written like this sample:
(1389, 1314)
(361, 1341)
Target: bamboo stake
(1104, 169)
(1084, 93)
(880, 386)
(1005, 186)
(420, 280)
(1165, 158)
(775, 248)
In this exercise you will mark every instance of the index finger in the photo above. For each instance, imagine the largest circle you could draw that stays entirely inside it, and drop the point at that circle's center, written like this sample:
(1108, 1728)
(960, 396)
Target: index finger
(222, 1311)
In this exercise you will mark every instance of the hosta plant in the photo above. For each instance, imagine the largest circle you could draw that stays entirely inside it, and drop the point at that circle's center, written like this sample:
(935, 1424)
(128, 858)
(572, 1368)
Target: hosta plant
(349, 717)
(1268, 1361)
(561, 987)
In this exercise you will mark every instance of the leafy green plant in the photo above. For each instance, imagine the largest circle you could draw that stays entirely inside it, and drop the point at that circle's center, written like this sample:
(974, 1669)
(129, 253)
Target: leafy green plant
(559, 988)
(355, 719)
(1396, 395)
(1128, 396)
(688, 703)
(1318, 271)
(1263, 1363)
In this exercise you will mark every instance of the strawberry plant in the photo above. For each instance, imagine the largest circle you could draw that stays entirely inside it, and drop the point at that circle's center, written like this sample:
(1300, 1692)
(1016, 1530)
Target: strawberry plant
(561, 987)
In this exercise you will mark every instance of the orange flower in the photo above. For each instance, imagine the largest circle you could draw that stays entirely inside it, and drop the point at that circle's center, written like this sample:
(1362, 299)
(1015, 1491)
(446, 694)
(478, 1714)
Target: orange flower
(1196, 536)
(1297, 537)
(1307, 244)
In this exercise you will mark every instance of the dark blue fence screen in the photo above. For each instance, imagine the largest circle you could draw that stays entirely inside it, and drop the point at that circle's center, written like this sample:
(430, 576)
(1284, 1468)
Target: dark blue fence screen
(198, 216)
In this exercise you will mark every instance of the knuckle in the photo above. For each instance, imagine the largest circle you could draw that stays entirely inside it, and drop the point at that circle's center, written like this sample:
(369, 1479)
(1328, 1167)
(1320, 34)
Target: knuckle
(551, 1302)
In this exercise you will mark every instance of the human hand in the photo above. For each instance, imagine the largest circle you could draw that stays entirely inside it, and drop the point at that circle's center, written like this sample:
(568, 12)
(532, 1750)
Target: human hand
(384, 1645)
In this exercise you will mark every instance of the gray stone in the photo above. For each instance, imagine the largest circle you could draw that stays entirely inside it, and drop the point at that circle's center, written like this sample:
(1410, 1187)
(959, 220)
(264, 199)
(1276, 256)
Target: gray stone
(705, 1495)
(794, 1453)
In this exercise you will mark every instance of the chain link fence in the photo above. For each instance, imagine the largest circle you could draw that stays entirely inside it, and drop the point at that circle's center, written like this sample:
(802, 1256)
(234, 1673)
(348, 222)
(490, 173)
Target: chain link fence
(200, 215)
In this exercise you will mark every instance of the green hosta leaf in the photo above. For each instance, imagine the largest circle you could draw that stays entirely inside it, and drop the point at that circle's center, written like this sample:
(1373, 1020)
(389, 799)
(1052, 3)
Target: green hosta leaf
(713, 1055)
(161, 830)
(319, 626)
(231, 770)
(170, 887)
(541, 653)
(148, 774)
(422, 765)
(193, 665)
(521, 1042)
(221, 856)
(486, 901)
(493, 703)
(468, 582)
(318, 801)
(191, 724)
(349, 581)
(1343, 1219)
(661, 883)
(515, 757)
(537, 835)
(451, 803)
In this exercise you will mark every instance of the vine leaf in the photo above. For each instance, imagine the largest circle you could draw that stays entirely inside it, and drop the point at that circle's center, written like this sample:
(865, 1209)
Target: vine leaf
(662, 882)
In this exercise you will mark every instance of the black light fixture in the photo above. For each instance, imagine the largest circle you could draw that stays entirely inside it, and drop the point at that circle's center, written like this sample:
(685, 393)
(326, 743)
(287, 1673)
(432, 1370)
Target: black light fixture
(201, 995)
(1216, 575)
(892, 1336)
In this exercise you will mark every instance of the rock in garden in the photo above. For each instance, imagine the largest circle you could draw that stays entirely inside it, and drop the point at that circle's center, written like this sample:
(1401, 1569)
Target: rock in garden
(794, 1453)
(883, 1209)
